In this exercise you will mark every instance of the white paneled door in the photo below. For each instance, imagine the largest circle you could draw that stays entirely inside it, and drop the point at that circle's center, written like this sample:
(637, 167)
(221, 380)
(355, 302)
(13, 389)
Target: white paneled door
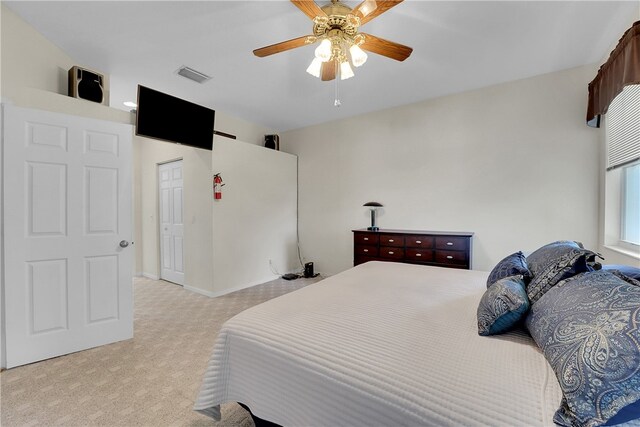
(67, 211)
(170, 187)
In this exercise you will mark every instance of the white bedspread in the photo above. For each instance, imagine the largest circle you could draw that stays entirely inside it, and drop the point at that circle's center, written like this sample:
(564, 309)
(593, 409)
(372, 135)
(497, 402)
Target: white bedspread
(382, 344)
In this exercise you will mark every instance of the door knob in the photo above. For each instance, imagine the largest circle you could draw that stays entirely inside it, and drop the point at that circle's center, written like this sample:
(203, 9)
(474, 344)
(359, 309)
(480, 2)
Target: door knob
(124, 243)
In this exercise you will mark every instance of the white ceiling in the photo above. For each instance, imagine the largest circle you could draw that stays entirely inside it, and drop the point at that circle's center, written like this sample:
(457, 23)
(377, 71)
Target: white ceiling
(457, 46)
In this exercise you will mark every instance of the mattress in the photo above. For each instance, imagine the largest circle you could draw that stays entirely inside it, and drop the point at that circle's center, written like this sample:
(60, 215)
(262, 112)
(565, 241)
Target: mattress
(383, 344)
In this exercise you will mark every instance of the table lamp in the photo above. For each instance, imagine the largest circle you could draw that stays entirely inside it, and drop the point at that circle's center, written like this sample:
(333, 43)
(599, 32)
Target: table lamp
(373, 206)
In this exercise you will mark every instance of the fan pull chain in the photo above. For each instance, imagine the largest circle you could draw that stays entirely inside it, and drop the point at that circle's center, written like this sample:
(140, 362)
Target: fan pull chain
(336, 102)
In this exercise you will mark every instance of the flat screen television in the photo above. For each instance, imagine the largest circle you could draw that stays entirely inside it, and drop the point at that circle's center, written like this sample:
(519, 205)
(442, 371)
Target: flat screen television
(168, 118)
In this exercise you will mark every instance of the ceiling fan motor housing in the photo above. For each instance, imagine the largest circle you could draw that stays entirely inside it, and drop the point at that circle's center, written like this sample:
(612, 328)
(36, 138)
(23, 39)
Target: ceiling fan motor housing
(339, 17)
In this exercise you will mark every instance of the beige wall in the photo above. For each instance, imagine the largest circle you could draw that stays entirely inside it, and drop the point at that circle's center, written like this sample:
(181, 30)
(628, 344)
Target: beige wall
(245, 131)
(30, 60)
(254, 224)
(228, 243)
(514, 163)
(198, 251)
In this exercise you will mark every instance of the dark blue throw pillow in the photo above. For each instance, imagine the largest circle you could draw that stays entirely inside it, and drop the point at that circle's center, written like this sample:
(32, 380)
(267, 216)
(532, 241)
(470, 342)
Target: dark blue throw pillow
(512, 265)
(553, 263)
(588, 328)
(503, 305)
(627, 270)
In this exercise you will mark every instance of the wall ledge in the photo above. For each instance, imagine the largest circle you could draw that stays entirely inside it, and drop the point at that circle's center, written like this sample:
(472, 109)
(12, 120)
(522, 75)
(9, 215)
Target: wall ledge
(623, 251)
(51, 101)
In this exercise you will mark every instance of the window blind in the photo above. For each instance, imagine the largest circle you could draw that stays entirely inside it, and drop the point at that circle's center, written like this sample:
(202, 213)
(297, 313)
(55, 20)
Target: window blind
(622, 127)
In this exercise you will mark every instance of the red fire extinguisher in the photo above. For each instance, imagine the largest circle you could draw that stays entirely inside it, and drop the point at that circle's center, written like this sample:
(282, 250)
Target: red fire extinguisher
(217, 186)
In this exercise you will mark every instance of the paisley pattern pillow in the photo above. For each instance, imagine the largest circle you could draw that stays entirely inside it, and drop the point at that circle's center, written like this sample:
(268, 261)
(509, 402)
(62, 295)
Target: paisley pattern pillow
(555, 262)
(512, 265)
(502, 306)
(588, 328)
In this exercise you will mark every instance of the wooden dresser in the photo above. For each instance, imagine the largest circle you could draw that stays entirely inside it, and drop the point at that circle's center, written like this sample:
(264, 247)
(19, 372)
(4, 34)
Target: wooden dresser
(444, 249)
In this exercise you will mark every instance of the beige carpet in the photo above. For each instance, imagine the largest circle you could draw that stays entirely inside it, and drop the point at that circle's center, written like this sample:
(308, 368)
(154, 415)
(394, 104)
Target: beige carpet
(150, 380)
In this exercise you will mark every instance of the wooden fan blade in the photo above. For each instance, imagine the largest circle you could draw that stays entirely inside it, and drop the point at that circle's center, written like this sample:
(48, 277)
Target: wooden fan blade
(364, 12)
(280, 47)
(328, 70)
(309, 8)
(386, 48)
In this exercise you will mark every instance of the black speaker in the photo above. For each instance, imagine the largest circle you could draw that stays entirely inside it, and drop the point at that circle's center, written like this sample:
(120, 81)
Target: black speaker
(272, 141)
(308, 269)
(86, 84)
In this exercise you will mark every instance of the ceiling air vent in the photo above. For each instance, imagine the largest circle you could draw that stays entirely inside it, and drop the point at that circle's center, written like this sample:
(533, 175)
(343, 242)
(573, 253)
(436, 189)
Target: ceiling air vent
(192, 74)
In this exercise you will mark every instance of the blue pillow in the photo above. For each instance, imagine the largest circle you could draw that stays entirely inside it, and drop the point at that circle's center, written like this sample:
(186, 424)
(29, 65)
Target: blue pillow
(627, 270)
(502, 306)
(588, 328)
(553, 263)
(512, 265)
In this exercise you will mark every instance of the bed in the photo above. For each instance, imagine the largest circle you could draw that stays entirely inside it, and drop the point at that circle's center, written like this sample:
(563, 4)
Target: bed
(553, 337)
(384, 344)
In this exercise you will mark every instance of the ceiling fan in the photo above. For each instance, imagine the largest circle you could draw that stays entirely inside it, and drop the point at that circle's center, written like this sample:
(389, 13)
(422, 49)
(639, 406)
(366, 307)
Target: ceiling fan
(335, 26)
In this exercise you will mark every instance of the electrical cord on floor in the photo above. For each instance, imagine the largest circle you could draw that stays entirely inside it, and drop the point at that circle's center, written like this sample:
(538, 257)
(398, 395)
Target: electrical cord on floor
(298, 211)
(286, 276)
(273, 268)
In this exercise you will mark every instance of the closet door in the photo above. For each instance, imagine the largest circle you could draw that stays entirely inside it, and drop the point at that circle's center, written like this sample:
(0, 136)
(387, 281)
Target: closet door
(170, 193)
(67, 212)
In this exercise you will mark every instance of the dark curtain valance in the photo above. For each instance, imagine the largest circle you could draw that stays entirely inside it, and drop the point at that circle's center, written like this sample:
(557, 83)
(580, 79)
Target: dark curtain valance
(621, 69)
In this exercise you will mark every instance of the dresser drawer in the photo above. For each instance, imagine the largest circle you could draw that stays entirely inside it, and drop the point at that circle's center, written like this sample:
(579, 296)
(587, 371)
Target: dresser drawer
(451, 243)
(423, 242)
(451, 257)
(391, 252)
(365, 250)
(391, 240)
(419, 255)
(366, 238)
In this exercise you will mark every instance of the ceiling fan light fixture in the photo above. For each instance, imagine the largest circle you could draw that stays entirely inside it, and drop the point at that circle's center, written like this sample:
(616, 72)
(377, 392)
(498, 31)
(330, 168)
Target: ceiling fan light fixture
(345, 71)
(314, 67)
(358, 56)
(323, 52)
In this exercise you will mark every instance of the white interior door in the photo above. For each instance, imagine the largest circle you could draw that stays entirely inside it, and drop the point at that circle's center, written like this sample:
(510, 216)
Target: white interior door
(170, 183)
(67, 212)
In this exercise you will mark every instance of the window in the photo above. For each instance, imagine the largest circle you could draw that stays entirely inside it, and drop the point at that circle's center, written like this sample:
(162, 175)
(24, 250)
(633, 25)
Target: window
(631, 205)
(622, 127)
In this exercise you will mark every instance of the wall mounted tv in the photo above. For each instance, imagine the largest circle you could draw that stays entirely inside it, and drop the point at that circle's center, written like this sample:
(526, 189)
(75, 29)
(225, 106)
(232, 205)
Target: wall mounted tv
(166, 117)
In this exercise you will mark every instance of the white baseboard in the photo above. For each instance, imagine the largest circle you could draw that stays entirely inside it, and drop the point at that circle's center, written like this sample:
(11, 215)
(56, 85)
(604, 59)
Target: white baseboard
(150, 276)
(200, 291)
(214, 294)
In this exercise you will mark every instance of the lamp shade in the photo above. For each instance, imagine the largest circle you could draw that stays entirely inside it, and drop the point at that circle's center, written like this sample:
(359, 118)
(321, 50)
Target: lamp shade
(358, 56)
(323, 51)
(373, 204)
(315, 67)
(345, 71)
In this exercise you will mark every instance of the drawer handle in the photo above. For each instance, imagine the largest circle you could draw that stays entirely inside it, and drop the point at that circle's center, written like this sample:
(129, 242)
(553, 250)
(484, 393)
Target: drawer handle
(366, 250)
(418, 241)
(390, 240)
(449, 257)
(366, 238)
(418, 254)
(449, 243)
(390, 253)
